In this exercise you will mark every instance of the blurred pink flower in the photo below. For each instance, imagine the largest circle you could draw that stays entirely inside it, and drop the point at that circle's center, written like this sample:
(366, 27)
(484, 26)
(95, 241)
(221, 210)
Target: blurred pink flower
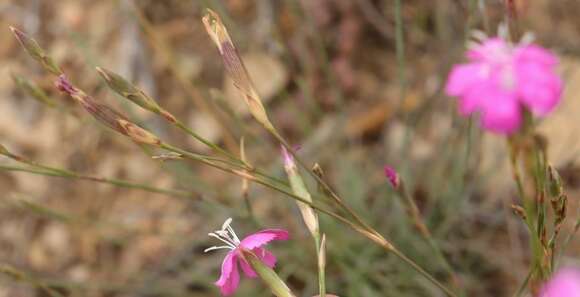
(230, 276)
(392, 176)
(565, 283)
(502, 79)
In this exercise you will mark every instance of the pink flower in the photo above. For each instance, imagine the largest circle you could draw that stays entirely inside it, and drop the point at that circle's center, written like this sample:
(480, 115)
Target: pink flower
(566, 283)
(502, 79)
(230, 276)
(392, 176)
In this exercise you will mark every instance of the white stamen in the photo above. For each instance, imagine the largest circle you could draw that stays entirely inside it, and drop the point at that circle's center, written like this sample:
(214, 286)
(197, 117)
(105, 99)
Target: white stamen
(479, 35)
(226, 224)
(222, 239)
(213, 248)
(503, 31)
(528, 38)
(225, 235)
(236, 238)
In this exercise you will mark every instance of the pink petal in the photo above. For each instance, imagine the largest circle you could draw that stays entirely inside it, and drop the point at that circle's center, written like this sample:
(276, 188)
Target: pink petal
(489, 50)
(247, 269)
(463, 77)
(566, 283)
(264, 255)
(534, 53)
(230, 277)
(261, 238)
(502, 113)
(539, 87)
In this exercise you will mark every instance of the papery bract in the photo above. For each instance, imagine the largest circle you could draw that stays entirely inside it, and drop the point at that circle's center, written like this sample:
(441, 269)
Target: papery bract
(501, 79)
(230, 276)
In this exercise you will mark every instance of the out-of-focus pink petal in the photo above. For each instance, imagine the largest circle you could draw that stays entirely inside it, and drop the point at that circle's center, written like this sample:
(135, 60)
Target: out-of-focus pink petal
(565, 283)
(261, 238)
(539, 87)
(488, 50)
(463, 77)
(536, 54)
(230, 277)
(502, 113)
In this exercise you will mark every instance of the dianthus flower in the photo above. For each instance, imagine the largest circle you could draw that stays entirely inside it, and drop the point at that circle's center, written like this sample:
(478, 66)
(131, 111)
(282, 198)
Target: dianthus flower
(500, 80)
(565, 283)
(230, 276)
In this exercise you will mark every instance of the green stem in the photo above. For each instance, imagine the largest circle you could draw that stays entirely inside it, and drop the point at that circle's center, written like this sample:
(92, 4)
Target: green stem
(116, 182)
(422, 272)
(208, 143)
(321, 272)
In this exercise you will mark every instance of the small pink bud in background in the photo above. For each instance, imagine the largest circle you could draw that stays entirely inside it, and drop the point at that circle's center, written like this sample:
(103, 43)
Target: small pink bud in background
(565, 283)
(393, 176)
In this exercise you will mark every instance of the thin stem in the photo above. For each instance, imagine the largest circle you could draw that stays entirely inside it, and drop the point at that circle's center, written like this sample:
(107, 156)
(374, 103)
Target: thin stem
(425, 232)
(24, 277)
(421, 271)
(116, 182)
(400, 48)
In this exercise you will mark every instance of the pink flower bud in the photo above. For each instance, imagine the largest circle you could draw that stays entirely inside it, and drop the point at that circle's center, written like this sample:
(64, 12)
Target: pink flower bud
(393, 176)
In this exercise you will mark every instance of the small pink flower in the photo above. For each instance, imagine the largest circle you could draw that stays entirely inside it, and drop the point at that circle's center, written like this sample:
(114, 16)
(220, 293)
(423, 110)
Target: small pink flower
(502, 79)
(392, 176)
(230, 276)
(566, 283)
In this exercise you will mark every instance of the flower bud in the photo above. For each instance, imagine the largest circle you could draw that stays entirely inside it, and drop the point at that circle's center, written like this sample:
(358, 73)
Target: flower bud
(235, 68)
(555, 186)
(129, 91)
(392, 176)
(36, 52)
(299, 188)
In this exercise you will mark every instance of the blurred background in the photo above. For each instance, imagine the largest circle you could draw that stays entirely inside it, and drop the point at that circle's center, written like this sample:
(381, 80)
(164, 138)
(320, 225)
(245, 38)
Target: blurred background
(333, 82)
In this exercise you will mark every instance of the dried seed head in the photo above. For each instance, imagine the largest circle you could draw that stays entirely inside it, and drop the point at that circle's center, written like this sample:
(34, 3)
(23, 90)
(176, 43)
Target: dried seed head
(138, 134)
(318, 170)
(3, 150)
(129, 91)
(35, 51)
(554, 182)
(519, 211)
(235, 68)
